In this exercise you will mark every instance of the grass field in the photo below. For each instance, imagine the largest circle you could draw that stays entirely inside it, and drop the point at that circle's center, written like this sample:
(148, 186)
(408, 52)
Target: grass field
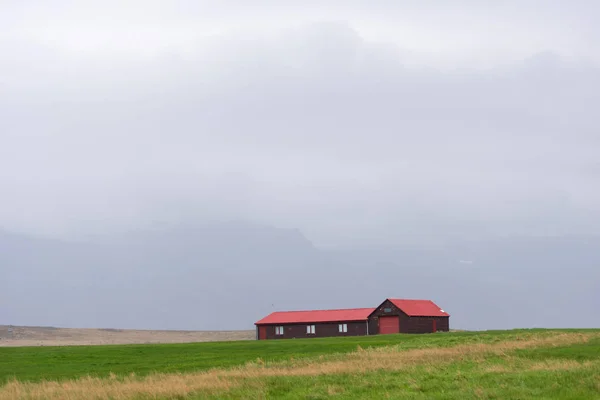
(518, 364)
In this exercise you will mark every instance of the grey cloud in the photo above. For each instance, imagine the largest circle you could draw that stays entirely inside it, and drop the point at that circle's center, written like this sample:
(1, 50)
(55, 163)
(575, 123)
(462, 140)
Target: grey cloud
(387, 125)
(312, 123)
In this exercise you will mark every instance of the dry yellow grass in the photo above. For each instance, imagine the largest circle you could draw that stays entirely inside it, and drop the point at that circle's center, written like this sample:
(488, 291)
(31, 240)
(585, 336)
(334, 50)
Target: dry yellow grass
(218, 380)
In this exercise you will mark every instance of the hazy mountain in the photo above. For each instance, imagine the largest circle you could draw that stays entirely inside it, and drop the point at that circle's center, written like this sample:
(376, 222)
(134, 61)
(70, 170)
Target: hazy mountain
(226, 276)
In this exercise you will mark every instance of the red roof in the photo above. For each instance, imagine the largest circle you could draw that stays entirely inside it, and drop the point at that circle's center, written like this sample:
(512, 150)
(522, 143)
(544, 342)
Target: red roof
(419, 308)
(299, 317)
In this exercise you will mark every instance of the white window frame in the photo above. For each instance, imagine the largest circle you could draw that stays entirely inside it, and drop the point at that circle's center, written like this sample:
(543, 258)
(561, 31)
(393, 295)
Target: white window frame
(279, 331)
(310, 329)
(343, 328)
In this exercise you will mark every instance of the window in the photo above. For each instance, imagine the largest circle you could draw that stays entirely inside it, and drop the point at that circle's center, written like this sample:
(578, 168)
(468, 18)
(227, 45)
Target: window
(343, 327)
(310, 329)
(279, 330)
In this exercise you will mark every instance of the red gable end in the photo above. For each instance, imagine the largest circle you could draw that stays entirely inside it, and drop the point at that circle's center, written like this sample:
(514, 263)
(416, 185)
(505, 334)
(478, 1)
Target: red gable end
(419, 308)
(300, 317)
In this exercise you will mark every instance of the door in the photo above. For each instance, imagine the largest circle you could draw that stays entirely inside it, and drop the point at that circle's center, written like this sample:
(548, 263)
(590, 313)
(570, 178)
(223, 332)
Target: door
(389, 325)
(262, 332)
(434, 326)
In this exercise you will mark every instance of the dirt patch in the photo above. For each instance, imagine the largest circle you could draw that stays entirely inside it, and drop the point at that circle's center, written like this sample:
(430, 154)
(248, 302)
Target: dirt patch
(14, 336)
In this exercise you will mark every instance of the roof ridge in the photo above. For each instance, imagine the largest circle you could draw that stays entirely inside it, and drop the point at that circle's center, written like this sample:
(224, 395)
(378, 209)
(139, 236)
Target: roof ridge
(398, 298)
(329, 309)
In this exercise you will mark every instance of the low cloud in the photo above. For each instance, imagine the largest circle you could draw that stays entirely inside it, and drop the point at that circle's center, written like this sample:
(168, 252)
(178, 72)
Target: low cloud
(319, 126)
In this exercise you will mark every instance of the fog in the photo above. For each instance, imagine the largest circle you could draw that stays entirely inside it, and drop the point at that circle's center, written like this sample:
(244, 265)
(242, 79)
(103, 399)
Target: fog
(363, 126)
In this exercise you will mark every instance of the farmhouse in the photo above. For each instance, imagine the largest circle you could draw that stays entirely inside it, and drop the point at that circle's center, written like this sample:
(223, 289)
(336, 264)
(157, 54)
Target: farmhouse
(391, 316)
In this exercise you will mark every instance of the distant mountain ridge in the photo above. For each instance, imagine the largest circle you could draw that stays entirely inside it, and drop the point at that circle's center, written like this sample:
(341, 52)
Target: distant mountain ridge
(226, 276)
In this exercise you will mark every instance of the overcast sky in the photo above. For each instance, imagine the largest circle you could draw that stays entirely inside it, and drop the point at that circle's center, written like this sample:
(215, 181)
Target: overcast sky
(354, 121)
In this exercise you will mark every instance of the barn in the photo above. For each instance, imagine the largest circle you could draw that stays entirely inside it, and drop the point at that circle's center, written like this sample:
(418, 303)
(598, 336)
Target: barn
(391, 316)
(318, 323)
(408, 316)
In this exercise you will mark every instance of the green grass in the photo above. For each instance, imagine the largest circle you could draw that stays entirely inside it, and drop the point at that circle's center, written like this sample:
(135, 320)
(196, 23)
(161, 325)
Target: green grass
(578, 352)
(458, 380)
(562, 372)
(55, 363)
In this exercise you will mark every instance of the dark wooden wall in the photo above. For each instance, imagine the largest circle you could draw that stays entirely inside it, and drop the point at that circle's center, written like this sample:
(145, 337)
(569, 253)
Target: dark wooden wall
(297, 331)
(424, 324)
(407, 324)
